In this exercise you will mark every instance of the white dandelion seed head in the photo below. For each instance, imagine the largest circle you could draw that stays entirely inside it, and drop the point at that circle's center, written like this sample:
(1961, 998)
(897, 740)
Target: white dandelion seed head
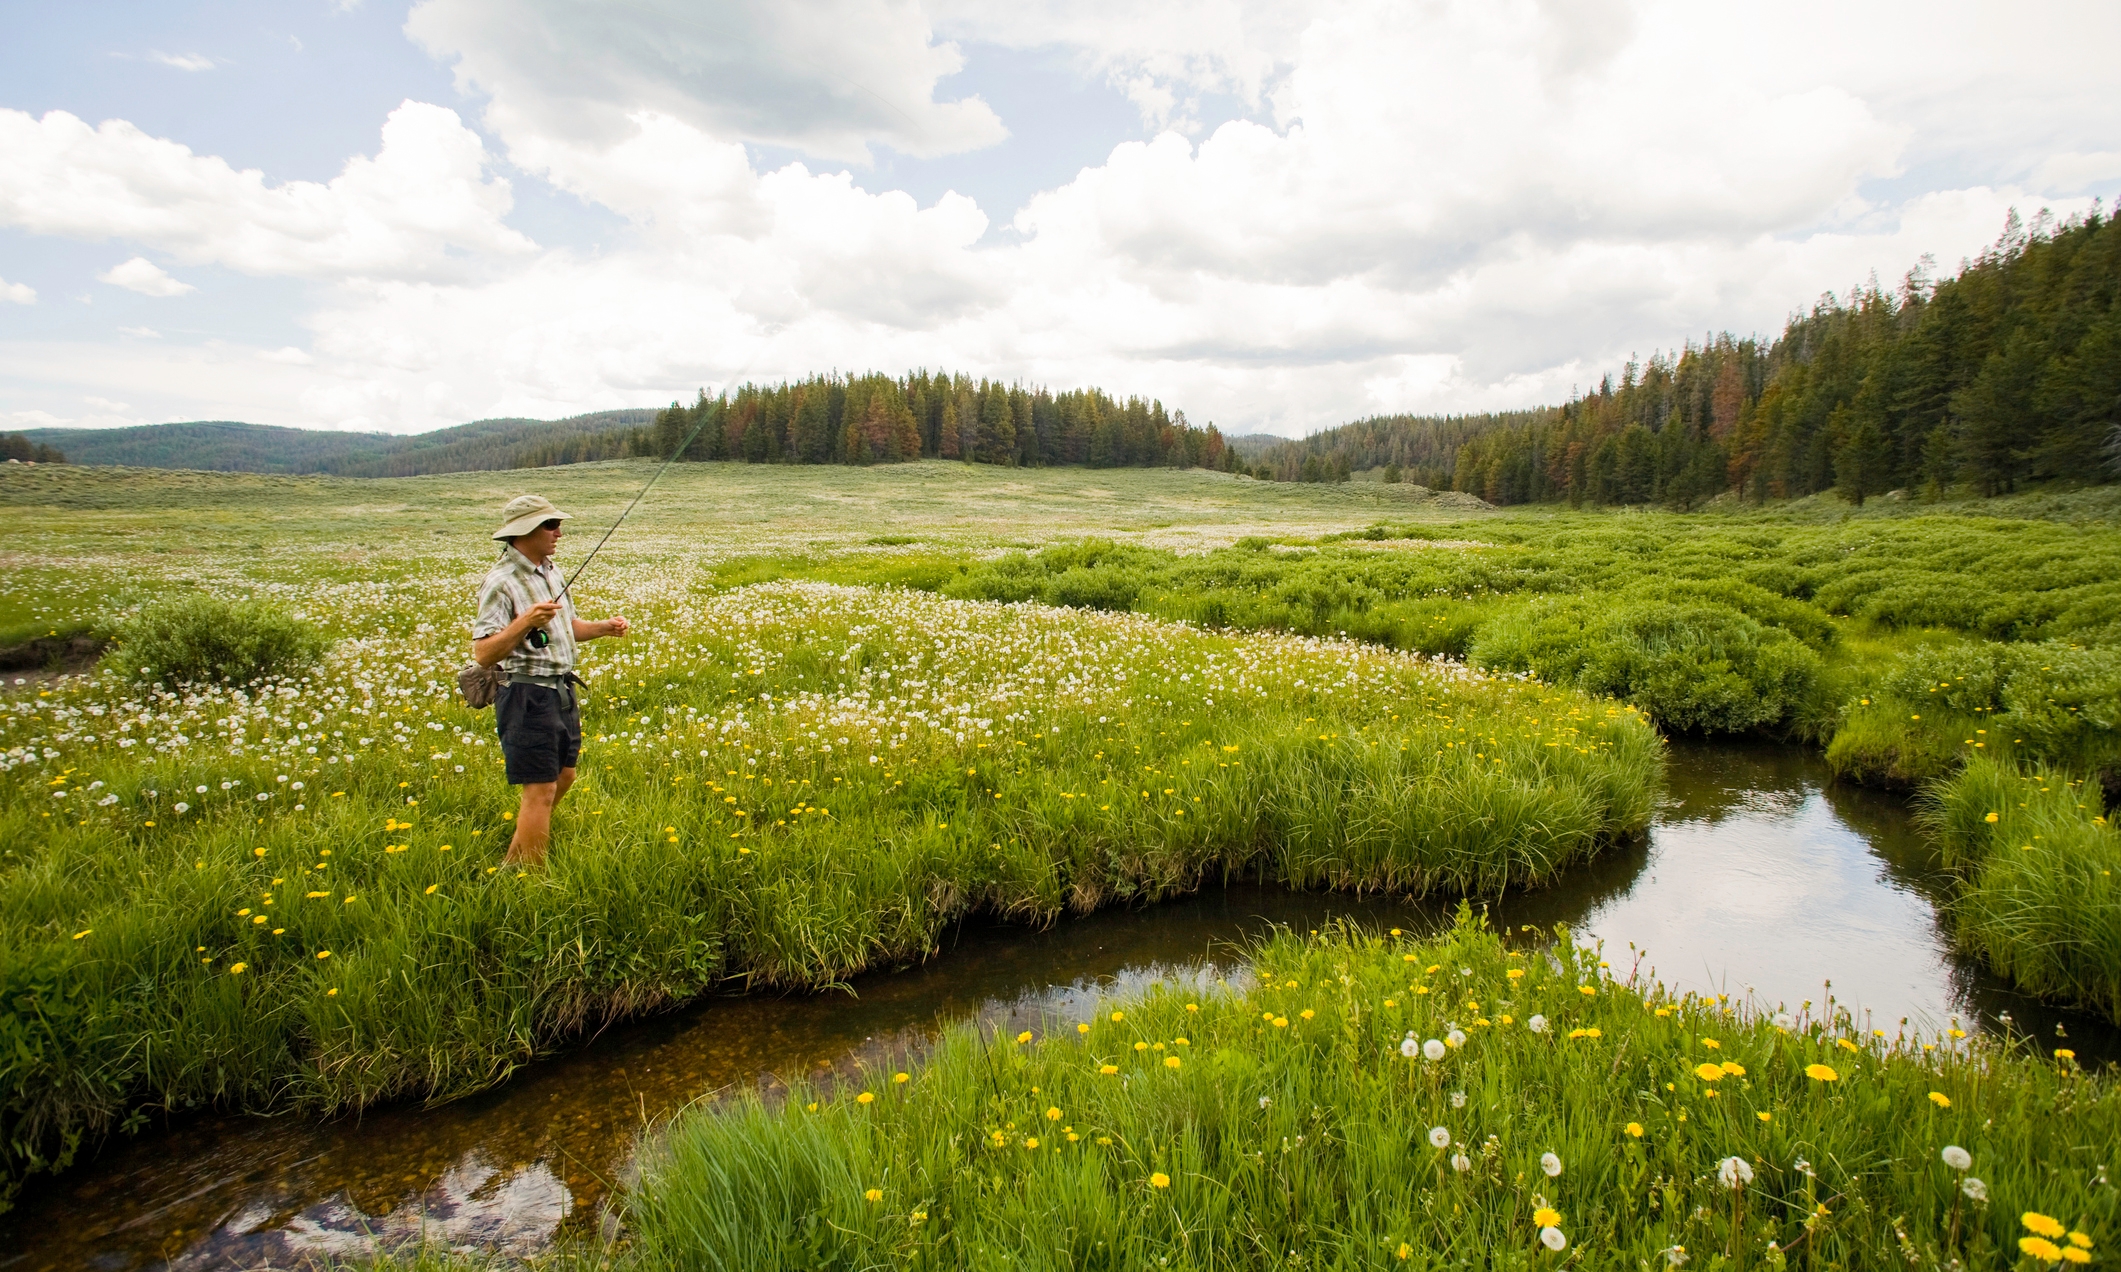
(1433, 1049)
(1458, 1099)
(1461, 1163)
(1675, 1256)
(1265, 1100)
(1974, 1189)
(1537, 1024)
(226, 785)
(1409, 1048)
(1957, 1158)
(1551, 1238)
(1550, 1164)
(1735, 1172)
(181, 806)
(1439, 1137)
(1455, 1038)
(201, 790)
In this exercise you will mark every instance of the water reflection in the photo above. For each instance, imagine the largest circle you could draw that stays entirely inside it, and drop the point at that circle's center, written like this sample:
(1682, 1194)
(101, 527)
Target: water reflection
(1757, 874)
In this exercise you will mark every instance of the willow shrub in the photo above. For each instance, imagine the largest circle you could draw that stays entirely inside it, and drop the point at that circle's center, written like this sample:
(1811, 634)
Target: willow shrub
(1690, 666)
(2038, 898)
(195, 638)
(2052, 703)
(1279, 1120)
(289, 896)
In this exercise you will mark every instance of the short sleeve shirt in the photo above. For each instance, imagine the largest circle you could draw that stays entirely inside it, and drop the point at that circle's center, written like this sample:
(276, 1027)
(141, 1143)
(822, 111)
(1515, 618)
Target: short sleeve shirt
(512, 586)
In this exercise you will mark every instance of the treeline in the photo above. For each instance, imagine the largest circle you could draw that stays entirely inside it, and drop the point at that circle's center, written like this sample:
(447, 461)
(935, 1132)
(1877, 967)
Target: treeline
(871, 419)
(2008, 372)
(480, 446)
(16, 447)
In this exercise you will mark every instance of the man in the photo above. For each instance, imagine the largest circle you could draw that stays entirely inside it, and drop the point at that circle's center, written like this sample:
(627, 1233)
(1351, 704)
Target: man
(539, 720)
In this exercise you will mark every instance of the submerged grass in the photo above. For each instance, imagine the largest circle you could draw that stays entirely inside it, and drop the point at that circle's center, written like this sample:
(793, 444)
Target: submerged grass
(1364, 1101)
(288, 895)
(2038, 900)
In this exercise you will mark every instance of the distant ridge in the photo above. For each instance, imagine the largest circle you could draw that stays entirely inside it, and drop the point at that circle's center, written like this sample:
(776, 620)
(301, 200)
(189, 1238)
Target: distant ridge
(480, 446)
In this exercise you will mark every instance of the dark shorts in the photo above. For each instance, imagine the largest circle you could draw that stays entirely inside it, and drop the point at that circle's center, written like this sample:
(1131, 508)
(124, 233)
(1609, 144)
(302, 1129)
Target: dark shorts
(541, 732)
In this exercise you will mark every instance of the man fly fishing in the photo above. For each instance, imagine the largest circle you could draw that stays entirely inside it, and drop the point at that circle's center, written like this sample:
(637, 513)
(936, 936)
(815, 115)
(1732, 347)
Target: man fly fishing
(527, 627)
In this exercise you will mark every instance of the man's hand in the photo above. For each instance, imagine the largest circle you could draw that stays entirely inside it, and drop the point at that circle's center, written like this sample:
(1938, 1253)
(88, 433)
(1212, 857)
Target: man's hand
(616, 625)
(540, 614)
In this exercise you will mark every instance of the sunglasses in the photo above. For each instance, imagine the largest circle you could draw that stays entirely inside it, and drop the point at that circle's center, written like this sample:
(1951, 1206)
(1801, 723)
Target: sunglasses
(553, 524)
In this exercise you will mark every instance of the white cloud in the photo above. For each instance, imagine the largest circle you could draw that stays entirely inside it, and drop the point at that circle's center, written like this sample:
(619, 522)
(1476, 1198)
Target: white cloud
(831, 77)
(1446, 207)
(144, 276)
(143, 333)
(414, 210)
(106, 403)
(17, 293)
(182, 61)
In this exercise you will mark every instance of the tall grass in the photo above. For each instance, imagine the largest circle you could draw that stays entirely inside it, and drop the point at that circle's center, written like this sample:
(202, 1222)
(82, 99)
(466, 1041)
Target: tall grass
(2038, 899)
(1275, 1121)
(289, 895)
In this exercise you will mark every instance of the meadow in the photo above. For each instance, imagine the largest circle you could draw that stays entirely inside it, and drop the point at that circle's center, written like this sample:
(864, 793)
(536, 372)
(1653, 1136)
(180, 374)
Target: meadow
(1362, 1100)
(842, 727)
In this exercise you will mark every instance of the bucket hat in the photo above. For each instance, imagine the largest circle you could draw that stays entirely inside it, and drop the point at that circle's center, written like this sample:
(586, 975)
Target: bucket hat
(525, 513)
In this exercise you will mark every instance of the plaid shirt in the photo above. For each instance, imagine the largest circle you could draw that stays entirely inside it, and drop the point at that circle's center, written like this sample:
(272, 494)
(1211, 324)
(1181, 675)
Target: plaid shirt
(512, 586)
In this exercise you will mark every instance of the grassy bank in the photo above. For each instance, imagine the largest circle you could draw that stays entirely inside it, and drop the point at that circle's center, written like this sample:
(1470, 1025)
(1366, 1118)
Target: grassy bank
(1277, 1122)
(2036, 857)
(289, 897)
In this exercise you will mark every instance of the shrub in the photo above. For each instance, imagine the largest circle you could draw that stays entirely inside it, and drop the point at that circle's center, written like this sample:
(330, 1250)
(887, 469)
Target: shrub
(195, 639)
(1689, 666)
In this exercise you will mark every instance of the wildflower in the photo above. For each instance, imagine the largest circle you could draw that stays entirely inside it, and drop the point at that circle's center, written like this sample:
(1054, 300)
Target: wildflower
(1433, 1049)
(1455, 1039)
(874, 1194)
(1025, 1036)
(1709, 1072)
(1634, 1130)
(2064, 1053)
(1082, 1029)
(1265, 1100)
(900, 1078)
(1821, 1073)
(1990, 819)
(1974, 1189)
(1439, 1137)
(1158, 1179)
(237, 969)
(1940, 1099)
(1405, 1251)
(2041, 1248)
(1118, 1016)
(1675, 1256)
(2042, 1224)
(1052, 1115)
(1307, 1013)
(1458, 1099)
(1765, 1116)
(323, 954)
(1141, 1046)
(1461, 1163)
(1735, 1172)
(1031, 1142)
(1550, 1164)
(1108, 1069)
(1587, 991)
(866, 1097)
(1408, 1047)
(1551, 1238)
(1537, 1024)
(1515, 973)
(2081, 1240)
(1170, 1062)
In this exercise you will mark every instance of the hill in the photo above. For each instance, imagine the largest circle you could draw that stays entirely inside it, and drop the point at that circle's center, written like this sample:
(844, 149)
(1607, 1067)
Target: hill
(480, 446)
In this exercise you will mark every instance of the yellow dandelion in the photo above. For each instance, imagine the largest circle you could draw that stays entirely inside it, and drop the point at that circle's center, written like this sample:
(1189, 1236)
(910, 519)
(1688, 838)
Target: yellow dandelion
(1307, 1013)
(1821, 1073)
(323, 953)
(874, 1194)
(1546, 1217)
(1405, 1251)
(1170, 1062)
(1765, 1116)
(1710, 1072)
(2045, 1225)
(866, 1097)
(1159, 1180)
(237, 969)
(1586, 990)
(1119, 1016)
(899, 1078)
(2041, 1248)
(1108, 1069)
(1634, 1130)
(1082, 1029)
(1940, 1099)
(1053, 1115)
(1025, 1036)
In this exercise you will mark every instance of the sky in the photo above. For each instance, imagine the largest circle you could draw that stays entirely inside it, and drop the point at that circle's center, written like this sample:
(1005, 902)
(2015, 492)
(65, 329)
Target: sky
(1274, 216)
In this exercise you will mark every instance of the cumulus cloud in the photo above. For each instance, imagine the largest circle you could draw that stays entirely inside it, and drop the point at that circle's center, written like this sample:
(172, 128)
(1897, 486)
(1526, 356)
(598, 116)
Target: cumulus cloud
(414, 210)
(1450, 206)
(831, 78)
(144, 276)
(17, 293)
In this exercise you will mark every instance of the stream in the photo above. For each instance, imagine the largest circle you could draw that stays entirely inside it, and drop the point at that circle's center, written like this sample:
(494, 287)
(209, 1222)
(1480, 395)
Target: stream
(1758, 877)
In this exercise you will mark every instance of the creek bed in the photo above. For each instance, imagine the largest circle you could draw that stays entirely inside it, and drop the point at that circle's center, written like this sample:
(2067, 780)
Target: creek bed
(1758, 878)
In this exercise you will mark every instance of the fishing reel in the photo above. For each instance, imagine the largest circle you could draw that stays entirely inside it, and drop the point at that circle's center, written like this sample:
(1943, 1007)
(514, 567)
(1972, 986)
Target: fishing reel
(539, 638)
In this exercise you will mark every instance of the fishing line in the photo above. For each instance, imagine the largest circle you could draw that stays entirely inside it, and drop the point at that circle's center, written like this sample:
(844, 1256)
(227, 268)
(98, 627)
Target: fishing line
(682, 448)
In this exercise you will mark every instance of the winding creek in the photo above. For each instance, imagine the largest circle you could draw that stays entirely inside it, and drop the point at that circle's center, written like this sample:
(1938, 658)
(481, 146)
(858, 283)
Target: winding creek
(1758, 876)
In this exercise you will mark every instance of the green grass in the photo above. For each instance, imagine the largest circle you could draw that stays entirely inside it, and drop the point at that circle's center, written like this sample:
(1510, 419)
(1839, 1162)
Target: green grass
(2036, 858)
(290, 897)
(1273, 1122)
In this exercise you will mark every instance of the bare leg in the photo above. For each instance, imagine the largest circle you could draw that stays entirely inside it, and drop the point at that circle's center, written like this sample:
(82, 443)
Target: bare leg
(534, 820)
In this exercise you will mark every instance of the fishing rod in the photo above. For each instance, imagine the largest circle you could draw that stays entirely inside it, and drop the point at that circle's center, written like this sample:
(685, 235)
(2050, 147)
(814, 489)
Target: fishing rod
(539, 637)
